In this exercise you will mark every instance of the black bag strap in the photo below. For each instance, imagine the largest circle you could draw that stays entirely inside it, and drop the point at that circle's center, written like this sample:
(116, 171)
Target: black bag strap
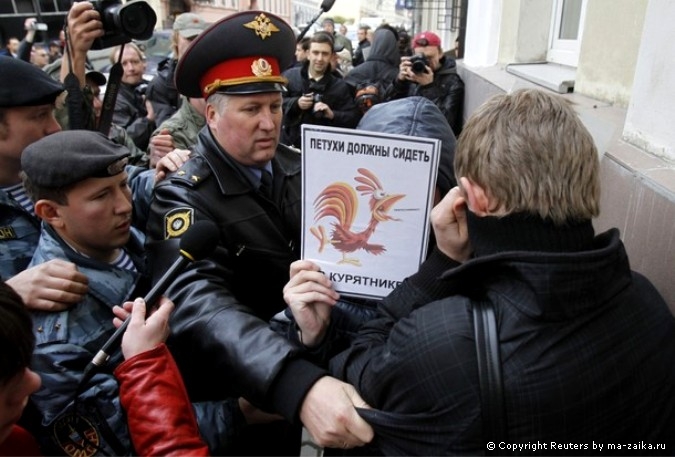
(490, 375)
(110, 97)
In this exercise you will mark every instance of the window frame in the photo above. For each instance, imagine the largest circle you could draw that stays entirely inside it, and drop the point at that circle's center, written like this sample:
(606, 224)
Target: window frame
(565, 52)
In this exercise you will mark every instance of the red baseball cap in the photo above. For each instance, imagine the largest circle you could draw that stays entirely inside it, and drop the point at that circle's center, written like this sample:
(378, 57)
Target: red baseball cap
(426, 39)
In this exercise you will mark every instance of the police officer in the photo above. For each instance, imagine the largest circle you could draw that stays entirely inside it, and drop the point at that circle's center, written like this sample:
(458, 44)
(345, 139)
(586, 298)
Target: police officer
(27, 100)
(78, 182)
(240, 177)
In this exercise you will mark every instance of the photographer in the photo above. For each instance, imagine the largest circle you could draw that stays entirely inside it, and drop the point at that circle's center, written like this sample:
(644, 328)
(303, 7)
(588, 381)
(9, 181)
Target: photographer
(132, 110)
(24, 50)
(316, 95)
(428, 73)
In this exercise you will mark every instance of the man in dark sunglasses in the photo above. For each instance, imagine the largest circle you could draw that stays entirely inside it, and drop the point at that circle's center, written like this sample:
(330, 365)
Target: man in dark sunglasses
(428, 73)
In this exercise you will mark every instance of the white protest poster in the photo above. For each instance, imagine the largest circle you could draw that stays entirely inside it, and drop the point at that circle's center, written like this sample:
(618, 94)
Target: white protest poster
(367, 197)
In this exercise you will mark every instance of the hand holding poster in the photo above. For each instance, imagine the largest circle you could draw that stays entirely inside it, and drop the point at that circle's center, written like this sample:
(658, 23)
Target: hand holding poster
(367, 197)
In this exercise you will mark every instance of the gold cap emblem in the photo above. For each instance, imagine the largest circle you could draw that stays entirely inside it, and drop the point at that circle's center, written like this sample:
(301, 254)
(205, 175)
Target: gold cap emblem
(262, 25)
(261, 67)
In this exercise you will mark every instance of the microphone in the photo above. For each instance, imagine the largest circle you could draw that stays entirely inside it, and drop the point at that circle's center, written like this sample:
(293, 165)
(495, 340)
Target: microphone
(199, 241)
(326, 5)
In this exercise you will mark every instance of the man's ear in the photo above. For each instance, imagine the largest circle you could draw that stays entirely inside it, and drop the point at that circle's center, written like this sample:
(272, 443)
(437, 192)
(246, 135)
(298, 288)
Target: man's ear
(48, 211)
(210, 114)
(476, 197)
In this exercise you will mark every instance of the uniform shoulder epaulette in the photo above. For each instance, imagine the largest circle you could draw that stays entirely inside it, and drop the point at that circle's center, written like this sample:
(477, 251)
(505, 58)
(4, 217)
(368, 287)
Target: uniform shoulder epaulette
(193, 172)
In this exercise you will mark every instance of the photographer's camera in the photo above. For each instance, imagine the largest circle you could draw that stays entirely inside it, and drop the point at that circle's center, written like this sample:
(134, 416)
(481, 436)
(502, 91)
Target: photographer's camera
(38, 26)
(317, 98)
(419, 63)
(122, 23)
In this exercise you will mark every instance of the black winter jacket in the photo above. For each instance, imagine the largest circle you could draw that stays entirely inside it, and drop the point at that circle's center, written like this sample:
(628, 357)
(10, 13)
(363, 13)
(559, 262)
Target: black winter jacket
(446, 91)
(334, 92)
(162, 91)
(220, 334)
(381, 66)
(130, 113)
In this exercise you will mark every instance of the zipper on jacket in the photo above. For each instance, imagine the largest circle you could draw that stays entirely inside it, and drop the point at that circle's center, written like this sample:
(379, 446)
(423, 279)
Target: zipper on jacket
(242, 247)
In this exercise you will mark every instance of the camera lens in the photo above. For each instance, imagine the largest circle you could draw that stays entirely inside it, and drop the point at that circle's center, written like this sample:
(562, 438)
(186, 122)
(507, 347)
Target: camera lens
(122, 23)
(419, 63)
(137, 20)
(418, 67)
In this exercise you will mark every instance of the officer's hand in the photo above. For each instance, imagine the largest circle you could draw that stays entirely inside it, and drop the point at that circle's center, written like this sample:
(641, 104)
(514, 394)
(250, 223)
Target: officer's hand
(52, 286)
(329, 414)
(254, 415)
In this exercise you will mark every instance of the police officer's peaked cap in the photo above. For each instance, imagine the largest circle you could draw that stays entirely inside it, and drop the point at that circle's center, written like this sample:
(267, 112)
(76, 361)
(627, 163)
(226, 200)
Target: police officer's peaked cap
(71, 156)
(241, 54)
(24, 84)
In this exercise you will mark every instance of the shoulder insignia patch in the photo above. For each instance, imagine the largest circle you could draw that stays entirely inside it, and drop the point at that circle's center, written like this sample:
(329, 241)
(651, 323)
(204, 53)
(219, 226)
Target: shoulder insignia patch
(76, 435)
(177, 221)
(7, 233)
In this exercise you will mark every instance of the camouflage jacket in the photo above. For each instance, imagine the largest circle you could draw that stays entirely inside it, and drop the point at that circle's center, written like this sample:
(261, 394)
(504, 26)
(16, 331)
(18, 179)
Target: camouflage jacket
(19, 234)
(66, 342)
(184, 125)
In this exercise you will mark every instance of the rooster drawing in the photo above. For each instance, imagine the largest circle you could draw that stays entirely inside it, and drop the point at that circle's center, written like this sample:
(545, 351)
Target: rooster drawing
(339, 200)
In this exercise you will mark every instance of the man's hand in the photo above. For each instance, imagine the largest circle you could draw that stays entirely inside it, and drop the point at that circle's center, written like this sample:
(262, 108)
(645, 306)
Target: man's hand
(254, 415)
(321, 107)
(328, 412)
(170, 163)
(310, 296)
(405, 72)
(160, 145)
(29, 27)
(306, 101)
(151, 111)
(84, 26)
(143, 334)
(52, 286)
(448, 219)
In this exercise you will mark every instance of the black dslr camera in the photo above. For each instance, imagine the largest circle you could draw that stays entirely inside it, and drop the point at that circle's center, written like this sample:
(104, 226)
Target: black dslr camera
(419, 63)
(134, 20)
(317, 96)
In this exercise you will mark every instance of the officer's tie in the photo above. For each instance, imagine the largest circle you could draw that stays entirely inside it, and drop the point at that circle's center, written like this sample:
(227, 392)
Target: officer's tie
(266, 183)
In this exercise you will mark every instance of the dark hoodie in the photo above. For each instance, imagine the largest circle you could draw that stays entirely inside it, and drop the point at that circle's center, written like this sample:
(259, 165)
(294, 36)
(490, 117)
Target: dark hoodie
(382, 63)
(416, 116)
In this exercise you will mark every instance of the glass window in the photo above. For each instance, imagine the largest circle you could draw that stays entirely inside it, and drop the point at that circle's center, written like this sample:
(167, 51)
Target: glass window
(566, 31)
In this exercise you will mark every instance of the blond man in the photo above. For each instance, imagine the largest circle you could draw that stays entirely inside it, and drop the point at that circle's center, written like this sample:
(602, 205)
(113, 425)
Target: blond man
(585, 345)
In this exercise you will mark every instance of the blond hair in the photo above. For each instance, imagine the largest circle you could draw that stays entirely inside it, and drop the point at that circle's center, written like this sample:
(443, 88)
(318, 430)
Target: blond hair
(531, 153)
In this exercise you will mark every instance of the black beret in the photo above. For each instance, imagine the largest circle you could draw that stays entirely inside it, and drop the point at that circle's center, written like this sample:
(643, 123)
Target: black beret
(241, 54)
(71, 156)
(24, 84)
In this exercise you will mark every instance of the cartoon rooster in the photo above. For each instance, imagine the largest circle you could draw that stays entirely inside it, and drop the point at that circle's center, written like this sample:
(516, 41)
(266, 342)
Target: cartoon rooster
(339, 200)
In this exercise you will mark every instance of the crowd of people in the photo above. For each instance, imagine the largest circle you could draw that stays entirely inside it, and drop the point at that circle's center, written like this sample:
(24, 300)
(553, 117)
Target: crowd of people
(95, 209)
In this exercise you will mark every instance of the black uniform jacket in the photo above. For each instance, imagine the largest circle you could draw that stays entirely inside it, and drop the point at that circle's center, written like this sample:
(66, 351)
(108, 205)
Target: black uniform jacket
(220, 333)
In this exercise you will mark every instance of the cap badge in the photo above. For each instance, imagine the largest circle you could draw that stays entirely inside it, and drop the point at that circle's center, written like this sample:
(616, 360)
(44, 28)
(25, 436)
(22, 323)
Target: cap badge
(262, 25)
(117, 166)
(261, 67)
